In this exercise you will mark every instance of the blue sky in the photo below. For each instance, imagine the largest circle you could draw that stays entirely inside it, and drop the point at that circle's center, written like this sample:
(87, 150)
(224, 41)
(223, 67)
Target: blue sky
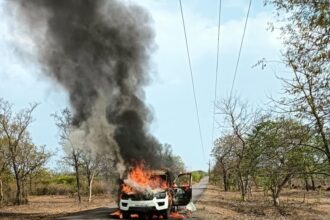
(169, 95)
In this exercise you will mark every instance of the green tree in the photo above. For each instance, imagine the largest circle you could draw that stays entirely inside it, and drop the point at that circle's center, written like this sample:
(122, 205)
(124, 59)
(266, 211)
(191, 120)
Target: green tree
(240, 120)
(305, 31)
(169, 161)
(93, 163)
(278, 143)
(23, 156)
(225, 156)
(4, 162)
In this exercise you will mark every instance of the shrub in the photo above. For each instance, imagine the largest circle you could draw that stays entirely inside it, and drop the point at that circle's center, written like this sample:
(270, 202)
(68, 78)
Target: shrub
(198, 175)
(70, 180)
(100, 188)
(54, 189)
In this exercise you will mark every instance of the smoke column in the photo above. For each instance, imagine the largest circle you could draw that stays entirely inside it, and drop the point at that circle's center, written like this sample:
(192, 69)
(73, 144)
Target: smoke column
(98, 50)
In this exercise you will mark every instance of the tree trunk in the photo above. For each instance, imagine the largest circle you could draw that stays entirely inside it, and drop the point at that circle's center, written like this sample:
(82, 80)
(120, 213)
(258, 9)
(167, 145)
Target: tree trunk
(276, 200)
(225, 180)
(30, 185)
(24, 192)
(18, 192)
(238, 186)
(18, 200)
(306, 183)
(275, 196)
(290, 183)
(76, 166)
(243, 193)
(313, 183)
(90, 188)
(242, 187)
(248, 188)
(276, 189)
(1, 193)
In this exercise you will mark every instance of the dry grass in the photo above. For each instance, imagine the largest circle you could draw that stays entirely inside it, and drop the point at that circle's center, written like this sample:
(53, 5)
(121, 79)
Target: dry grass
(40, 207)
(214, 204)
(295, 204)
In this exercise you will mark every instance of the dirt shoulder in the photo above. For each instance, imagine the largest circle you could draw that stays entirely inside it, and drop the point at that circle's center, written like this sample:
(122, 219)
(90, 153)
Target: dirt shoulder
(295, 204)
(47, 207)
(213, 204)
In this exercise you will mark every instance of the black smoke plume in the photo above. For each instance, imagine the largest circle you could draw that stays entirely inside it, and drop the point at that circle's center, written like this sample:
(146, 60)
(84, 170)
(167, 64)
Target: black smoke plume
(98, 50)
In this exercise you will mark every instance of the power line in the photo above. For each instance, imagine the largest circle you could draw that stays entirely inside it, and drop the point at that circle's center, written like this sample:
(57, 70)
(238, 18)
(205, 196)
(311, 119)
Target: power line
(240, 49)
(216, 70)
(192, 80)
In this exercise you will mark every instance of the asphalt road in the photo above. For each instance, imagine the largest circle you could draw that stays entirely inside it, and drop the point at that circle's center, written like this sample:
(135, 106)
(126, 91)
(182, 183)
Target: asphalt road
(199, 188)
(103, 213)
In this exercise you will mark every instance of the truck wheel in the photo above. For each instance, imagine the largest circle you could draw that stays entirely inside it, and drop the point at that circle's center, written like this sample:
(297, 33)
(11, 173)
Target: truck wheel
(166, 213)
(142, 216)
(126, 215)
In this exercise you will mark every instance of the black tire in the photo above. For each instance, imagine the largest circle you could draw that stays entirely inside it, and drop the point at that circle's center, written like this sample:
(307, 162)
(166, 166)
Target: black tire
(166, 213)
(150, 215)
(126, 215)
(142, 215)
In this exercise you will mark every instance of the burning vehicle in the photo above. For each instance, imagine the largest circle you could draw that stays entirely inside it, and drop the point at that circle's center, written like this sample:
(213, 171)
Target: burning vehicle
(152, 192)
(99, 52)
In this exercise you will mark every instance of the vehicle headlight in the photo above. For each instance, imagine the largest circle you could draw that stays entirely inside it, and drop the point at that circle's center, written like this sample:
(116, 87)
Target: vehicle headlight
(160, 195)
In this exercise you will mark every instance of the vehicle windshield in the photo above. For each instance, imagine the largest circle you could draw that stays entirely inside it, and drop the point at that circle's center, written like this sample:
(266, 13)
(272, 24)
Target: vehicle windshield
(158, 181)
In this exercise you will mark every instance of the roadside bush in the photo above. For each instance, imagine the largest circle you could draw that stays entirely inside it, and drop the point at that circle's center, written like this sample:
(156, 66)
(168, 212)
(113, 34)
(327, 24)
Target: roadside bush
(198, 175)
(54, 189)
(9, 193)
(70, 180)
(100, 188)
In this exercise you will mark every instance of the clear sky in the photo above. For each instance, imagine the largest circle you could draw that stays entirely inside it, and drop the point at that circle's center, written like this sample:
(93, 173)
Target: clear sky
(169, 95)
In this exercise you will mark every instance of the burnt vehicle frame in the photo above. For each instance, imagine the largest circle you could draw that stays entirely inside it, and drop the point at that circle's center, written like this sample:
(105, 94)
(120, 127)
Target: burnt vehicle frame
(177, 193)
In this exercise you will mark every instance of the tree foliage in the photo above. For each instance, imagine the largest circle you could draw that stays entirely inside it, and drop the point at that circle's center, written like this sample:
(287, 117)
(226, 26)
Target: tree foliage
(275, 150)
(240, 119)
(279, 153)
(20, 154)
(305, 31)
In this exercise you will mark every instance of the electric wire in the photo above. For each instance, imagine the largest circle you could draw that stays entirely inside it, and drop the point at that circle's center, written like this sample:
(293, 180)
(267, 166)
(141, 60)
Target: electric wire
(216, 71)
(240, 50)
(192, 80)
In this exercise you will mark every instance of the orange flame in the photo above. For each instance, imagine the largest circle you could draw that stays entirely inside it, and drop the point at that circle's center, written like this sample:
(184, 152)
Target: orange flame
(144, 178)
(134, 216)
(116, 214)
(177, 215)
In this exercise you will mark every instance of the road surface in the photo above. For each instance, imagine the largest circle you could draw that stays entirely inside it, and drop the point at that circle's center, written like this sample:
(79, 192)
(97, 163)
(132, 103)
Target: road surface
(199, 188)
(103, 213)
